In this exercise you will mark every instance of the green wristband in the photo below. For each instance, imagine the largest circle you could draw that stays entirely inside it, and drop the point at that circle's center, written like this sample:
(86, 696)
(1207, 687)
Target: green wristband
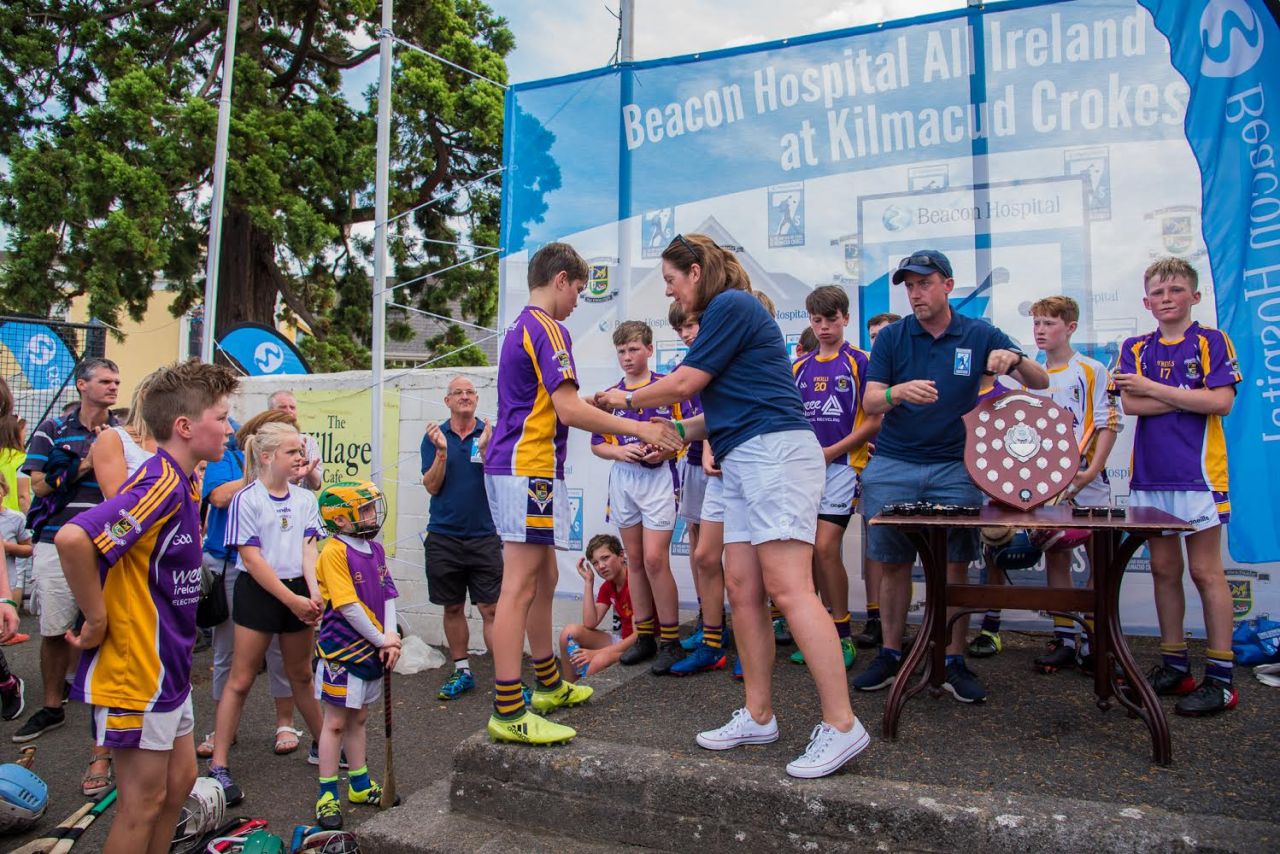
(888, 395)
(679, 428)
(9, 602)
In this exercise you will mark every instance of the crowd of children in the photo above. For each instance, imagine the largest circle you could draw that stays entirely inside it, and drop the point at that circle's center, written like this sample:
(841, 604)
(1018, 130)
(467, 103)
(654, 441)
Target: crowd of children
(1178, 381)
(761, 455)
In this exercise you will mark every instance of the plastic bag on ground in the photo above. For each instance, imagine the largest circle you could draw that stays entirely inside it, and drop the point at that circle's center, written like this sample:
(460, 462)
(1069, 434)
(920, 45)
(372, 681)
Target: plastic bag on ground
(416, 656)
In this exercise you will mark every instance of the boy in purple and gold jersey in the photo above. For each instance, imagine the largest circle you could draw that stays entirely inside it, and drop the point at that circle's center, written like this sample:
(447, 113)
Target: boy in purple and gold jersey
(832, 381)
(133, 565)
(357, 641)
(524, 477)
(643, 486)
(1180, 381)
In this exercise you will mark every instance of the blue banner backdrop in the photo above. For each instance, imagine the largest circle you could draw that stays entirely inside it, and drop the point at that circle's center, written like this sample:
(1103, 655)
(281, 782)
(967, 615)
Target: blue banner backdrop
(1047, 147)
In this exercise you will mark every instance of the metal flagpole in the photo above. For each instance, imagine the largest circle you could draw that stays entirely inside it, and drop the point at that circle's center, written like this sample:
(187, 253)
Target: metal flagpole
(626, 225)
(381, 180)
(219, 184)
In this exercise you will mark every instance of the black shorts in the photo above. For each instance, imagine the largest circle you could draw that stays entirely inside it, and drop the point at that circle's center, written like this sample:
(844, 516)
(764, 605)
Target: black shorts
(457, 566)
(841, 519)
(257, 609)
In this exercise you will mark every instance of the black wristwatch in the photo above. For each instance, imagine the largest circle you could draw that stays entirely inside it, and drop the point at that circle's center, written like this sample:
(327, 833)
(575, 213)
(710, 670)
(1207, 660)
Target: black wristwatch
(1014, 366)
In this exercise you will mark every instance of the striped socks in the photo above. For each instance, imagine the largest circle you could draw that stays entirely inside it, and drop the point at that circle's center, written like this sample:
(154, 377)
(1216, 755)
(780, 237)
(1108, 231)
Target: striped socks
(1064, 631)
(712, 636)
(508, 698)
(844, 628)
(644, 627)
(668, 633)
(1175, 655)
(1219, 664)
(548, 672)
(873, 610)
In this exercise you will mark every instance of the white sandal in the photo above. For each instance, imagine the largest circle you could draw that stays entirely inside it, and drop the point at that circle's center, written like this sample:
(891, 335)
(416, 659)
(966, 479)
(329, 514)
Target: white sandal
(297, 740)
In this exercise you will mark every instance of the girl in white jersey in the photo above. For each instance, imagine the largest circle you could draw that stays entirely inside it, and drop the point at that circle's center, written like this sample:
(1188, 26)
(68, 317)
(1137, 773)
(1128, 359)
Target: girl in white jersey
(274, 526)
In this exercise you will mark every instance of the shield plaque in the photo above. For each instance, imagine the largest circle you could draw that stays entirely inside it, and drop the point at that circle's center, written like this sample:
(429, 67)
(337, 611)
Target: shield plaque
(1020, 449)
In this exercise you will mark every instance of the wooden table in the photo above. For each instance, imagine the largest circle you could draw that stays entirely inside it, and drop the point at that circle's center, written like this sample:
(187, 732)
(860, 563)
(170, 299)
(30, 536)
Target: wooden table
(1115, 541)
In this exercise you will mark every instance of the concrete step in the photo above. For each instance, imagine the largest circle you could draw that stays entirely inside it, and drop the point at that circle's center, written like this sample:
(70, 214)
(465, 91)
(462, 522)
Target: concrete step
(630, 795)
(424, 824)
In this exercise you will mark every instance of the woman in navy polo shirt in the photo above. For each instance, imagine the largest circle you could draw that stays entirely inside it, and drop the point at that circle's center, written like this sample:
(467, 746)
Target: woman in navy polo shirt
(773, 474)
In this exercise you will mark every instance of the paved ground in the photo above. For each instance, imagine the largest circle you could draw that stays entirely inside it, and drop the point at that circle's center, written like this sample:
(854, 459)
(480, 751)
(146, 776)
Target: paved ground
(1037, 735)
(278, 788)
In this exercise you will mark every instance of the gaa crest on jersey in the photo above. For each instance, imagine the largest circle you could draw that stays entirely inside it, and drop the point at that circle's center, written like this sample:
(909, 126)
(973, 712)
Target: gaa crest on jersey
(1192, 367)
(286, 522)
(122, 527)
(562, 359)
(842, 384)
(541, 492)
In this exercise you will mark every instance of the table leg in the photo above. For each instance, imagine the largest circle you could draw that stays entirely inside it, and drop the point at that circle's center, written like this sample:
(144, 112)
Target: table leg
(934, 560)
(1147, 705)
(1104, 550)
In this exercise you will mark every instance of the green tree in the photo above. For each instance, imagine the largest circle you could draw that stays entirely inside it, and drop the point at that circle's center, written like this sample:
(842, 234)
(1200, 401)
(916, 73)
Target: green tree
(108, 113)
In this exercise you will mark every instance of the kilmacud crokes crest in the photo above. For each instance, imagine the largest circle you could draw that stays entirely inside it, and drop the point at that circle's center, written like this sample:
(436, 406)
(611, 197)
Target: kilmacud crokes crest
(1020, 449)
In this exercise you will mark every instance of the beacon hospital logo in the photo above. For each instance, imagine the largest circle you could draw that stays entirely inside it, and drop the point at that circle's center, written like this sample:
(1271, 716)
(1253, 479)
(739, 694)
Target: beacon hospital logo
(1232, 37)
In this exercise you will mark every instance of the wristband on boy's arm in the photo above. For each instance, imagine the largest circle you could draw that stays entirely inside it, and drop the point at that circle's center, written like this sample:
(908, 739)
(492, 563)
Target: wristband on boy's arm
(9, 602)
(679, 428)
(888, 395)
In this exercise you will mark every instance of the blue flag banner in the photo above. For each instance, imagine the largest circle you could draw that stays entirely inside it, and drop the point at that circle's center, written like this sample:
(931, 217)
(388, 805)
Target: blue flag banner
(1229, 53)
(260, 350)
(1048, 148)
(43, 356)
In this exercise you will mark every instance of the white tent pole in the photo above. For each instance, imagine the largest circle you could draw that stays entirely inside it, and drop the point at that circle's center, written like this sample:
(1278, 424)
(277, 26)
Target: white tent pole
(626, 225)
(219, 184)
(381, 181)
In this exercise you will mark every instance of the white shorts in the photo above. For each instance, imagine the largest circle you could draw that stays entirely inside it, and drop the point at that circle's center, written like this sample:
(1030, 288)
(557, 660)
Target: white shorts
(50, 596)
(693, 487)
(529, 509)
(114, 727)
(1202, 510)
(1096, 493)
(639, 495)
(840, 493)
(713, 501)
(772, 485)
(337, 686)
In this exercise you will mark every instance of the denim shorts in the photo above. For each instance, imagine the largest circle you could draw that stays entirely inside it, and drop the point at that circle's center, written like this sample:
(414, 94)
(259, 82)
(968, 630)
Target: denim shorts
(889, 481)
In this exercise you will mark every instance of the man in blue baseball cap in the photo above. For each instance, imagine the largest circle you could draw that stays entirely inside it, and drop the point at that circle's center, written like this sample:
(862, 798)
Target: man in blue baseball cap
(924, 375)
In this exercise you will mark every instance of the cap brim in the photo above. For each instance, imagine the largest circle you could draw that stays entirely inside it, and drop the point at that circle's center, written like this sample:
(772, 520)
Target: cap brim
(901, 272)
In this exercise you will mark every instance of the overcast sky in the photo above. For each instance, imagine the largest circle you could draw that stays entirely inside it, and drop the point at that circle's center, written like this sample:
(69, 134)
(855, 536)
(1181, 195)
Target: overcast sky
(555, 37)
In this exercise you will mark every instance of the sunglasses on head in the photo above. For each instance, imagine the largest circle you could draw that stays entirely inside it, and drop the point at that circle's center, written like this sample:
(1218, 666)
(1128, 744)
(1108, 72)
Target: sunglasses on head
(687, 245)
(919, 261)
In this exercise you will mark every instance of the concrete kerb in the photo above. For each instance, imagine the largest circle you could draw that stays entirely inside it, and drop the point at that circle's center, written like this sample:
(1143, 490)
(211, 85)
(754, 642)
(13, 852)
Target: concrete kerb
(425, 823)
(678, 802)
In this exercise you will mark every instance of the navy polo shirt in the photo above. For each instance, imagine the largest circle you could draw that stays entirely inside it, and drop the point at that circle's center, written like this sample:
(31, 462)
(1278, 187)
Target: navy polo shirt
(462, 507)
(67, 434)
(955, 360)
(751, 392)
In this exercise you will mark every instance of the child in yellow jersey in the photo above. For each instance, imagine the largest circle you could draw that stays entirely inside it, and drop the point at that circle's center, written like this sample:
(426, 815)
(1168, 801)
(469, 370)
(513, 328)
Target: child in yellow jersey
(133, 566)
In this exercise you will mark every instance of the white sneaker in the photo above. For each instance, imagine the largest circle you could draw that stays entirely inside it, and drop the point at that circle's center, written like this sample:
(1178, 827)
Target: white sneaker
(741, 729)
(829, 749)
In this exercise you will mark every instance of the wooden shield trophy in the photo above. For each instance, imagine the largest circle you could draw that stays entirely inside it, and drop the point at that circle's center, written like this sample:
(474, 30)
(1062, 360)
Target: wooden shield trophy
(1020, 449)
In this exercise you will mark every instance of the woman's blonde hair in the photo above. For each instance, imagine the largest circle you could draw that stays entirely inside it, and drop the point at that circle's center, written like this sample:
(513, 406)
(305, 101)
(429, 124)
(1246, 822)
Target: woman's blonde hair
(720, 268)
(268, 438)
(256, 422)
(135, 423)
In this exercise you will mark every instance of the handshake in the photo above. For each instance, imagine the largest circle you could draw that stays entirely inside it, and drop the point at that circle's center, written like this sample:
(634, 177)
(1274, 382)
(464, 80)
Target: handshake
(659, 435)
